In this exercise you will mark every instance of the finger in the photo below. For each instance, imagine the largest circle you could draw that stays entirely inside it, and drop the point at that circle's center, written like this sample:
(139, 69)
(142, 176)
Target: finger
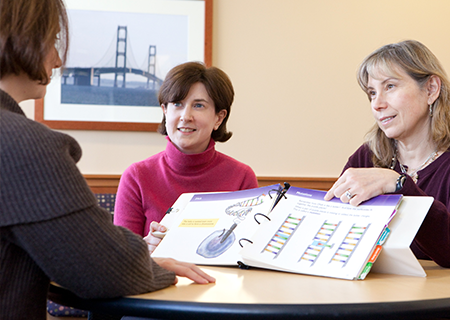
(197, 275)
(331, 193)
(154, 226)
(347, 196)
(152, 240)
(363, 195)
(355, 201)
(151, 248)
(185, 269)
(333, 190)
(203, 274)
(196, 272)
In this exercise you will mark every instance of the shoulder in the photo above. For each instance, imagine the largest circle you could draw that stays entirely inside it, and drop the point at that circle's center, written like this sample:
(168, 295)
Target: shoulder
(363, 154)
(361, 158)
(237, 168)
(143, 171)
(39, 172)
(32, 139)
(226, 160)
(242, 173)
(446, 155)
(444, 161)
(147, 165)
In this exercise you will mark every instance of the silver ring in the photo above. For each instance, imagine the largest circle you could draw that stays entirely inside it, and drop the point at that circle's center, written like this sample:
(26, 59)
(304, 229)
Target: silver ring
(348, 194)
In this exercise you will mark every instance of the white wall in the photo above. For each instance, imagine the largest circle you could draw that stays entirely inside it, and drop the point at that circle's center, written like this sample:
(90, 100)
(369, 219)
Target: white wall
(298, 109)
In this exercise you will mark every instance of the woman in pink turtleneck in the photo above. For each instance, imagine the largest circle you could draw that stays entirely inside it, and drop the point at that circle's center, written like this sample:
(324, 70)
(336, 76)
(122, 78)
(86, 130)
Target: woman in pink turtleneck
(196, 102)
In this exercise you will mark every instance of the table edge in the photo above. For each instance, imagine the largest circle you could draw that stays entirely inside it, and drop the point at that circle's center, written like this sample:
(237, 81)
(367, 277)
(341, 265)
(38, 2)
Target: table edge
(166, 309)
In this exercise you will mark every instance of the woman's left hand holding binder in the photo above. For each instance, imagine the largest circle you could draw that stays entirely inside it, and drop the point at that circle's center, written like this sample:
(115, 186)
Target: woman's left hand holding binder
(155, 235)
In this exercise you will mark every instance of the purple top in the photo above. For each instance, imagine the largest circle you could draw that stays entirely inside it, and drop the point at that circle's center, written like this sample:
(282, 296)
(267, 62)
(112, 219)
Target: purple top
(432, 241)
(149, 187)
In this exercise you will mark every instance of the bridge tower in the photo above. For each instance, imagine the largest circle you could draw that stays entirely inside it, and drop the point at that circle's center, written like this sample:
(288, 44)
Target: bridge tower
(151, 65)
(121, 55)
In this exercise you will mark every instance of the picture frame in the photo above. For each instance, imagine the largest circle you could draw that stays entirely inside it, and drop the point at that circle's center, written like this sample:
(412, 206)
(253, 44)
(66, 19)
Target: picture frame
(63, 106)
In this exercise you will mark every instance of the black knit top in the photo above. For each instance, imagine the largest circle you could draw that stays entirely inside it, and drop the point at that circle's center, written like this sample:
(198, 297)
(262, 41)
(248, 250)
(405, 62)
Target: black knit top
(52, 229)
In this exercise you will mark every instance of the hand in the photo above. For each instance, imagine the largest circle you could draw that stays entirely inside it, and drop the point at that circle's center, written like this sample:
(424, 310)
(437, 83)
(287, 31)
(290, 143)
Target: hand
(184, 269)
(362, 184)
(151, 240)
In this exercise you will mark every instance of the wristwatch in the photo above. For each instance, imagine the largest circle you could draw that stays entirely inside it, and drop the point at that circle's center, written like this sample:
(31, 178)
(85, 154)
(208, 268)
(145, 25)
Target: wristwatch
(400, 181)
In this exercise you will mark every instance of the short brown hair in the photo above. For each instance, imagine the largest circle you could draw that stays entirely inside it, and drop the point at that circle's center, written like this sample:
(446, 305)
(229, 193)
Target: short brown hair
(179, 81)
(420, 64)
(28, 30)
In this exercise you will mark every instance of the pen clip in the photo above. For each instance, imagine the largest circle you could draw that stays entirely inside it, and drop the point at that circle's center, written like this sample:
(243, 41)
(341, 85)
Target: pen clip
(281, 194)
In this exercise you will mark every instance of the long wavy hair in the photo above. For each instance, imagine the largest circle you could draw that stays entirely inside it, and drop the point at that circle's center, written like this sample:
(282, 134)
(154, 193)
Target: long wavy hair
(420, 64)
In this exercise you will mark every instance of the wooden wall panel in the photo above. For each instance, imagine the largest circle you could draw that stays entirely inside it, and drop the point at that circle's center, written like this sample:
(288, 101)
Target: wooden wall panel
(308, 183)
(109, 183)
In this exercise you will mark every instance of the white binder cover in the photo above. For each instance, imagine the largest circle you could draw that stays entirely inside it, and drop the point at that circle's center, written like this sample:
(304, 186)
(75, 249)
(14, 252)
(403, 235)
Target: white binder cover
(396, 256)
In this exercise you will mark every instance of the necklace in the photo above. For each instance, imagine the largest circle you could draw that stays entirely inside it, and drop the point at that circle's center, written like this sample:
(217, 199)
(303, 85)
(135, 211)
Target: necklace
(414, 174)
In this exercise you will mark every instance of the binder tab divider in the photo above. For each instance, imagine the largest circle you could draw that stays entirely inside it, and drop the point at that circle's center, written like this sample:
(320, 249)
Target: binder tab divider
(384, 236)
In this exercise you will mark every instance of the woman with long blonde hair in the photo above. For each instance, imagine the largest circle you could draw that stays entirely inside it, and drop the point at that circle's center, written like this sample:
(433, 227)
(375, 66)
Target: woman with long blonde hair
(407, 150)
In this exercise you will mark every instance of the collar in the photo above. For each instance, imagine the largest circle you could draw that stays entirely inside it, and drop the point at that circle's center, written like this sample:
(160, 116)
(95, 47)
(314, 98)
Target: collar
(181, 162)
(8, 103)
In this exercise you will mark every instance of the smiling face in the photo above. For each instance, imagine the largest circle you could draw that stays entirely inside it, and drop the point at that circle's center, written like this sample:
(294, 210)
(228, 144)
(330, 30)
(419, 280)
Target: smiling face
(190, 122)
(400, 105)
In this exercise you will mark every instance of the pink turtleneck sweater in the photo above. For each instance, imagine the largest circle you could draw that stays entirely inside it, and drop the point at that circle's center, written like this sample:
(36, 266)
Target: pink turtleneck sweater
(149, 187)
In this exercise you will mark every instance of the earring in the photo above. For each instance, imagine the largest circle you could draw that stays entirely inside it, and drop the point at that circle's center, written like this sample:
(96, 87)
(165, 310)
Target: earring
(431, 110)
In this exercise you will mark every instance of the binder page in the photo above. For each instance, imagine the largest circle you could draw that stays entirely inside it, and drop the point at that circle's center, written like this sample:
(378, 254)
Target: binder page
(326, 238)
(176, 210)
(209, 228)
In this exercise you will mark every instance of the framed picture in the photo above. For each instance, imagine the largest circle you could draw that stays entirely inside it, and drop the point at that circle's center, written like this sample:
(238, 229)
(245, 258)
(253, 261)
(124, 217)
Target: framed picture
(119, 54)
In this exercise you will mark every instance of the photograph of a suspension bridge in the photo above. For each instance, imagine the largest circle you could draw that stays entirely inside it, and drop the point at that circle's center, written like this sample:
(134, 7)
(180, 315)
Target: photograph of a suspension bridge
(116, 79)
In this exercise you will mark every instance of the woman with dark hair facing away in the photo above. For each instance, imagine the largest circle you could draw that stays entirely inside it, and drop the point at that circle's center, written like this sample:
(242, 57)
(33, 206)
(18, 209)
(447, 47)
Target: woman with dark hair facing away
(196, 103)
(51, 227)
(407, 150)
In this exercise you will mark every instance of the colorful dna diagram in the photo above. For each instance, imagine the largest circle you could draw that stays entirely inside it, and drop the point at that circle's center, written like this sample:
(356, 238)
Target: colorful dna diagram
(243, 208)
(320, 242)
(283, 234)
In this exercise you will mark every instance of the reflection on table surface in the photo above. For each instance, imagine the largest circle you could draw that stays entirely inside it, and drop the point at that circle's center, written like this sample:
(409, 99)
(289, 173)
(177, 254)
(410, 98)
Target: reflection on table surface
(260, 286)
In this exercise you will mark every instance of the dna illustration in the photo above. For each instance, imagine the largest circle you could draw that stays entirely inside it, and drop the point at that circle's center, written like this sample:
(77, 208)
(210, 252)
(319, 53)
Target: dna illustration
(220, 241)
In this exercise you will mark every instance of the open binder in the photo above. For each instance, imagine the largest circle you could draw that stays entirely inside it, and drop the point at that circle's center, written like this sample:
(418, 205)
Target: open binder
(205, 228)
(294, 230)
